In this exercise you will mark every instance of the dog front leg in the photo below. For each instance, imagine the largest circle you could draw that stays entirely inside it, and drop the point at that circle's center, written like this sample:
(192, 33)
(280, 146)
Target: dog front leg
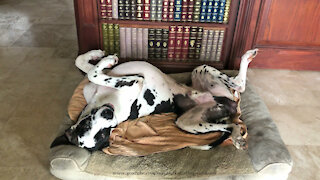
(97, 76)
(82, 61)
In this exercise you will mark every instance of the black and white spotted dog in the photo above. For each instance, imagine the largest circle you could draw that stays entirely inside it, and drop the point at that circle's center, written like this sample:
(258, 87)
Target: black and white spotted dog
(135, 89)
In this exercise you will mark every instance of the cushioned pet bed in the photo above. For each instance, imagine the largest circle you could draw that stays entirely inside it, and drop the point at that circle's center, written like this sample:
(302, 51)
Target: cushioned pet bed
(266, 156)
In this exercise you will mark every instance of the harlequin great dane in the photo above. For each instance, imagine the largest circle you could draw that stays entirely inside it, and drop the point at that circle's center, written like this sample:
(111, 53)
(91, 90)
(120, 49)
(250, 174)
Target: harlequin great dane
(135, 89)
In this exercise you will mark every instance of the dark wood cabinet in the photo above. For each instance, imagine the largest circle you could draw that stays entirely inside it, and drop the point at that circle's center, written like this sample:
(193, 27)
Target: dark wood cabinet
(287, 32)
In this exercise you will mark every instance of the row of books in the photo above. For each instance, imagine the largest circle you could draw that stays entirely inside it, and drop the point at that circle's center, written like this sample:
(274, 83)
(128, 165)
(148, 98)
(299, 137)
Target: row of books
(167, 10)
(175, 43)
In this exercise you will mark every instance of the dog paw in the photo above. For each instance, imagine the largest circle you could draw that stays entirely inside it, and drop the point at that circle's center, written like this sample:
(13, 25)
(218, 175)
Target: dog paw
(109, 61)
(95, 54)
(239, 142)
(249, 55)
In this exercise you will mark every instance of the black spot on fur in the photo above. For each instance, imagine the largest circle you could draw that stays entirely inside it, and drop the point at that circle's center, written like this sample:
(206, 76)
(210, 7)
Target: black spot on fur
(107, 113)
(134, 113)
(101, 139)
(149, 97)
(164, 107)
(225, 110)
(124, 83)
(95, 76)
(200, 124)
(183, 103)
(94, 111)
(83, 127)
(107, 79)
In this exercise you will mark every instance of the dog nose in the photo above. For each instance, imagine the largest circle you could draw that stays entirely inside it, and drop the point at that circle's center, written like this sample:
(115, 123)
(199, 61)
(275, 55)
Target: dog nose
(107, 113)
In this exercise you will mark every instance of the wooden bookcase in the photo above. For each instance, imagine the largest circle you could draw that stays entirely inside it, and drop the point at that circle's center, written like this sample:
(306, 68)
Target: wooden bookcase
(89, 29)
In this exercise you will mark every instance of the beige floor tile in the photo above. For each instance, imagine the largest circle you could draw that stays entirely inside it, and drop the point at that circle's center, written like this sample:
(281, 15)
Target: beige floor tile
(42, 35)
(298, 125)
(10, 97)
(281, 87)
(306, 161)
(14, 173)
(9, 36)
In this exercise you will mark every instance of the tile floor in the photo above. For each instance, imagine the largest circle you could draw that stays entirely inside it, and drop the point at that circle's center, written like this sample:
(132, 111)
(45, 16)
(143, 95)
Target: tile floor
(38, 45)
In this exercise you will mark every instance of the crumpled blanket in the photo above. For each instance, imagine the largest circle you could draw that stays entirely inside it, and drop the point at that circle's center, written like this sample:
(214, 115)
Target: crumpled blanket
(149, 134)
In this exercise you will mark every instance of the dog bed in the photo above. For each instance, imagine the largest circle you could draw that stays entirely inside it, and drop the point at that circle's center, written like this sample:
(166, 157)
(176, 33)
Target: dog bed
(266, 157)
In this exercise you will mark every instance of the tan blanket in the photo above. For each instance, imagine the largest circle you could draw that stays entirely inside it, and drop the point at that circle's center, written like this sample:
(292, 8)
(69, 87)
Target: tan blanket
(147, 135)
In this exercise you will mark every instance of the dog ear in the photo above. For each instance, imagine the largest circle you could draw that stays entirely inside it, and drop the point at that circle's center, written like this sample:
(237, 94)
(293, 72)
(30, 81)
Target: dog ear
(61, 140)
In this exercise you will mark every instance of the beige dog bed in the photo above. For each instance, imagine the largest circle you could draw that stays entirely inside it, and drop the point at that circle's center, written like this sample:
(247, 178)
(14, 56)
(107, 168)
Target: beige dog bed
(267, 156)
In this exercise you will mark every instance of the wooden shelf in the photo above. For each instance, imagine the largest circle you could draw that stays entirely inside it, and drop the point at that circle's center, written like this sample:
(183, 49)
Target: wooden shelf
(89, 31)
(178, 65)
(162, 24)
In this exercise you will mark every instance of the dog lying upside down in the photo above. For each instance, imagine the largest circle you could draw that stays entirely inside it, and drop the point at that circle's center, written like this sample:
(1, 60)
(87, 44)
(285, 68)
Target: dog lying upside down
(135, 89)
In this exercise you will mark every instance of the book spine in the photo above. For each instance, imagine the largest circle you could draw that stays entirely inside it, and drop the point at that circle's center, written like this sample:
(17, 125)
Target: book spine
(103, 9)
(164, 49)
(146, 10)
(177, 50)
(128, 43)
(209, 11)
(185, 43)
(139, 44)
(226, 12)
(209, 51)
(171, 42)
(117, 39)
(196, 10)
(177, 10)
(198, 42)
(171, 10)
(190, 10)
(165, 10)
(220, 44)
(115, 13)
(139, 10)
(204, 45)
(121, 9)
(123, 42)
(133, 10)
(203, 10)
(105, 37)
(109, 9)
(151, 45)
(145, 43)
(153, 10)
(158, 44)
(111, 38)
(184, 10)
(215, 10)
(127, 9)
(159, 10)
(221, 11)
(215, 39)
(134, 48)
(192, 42)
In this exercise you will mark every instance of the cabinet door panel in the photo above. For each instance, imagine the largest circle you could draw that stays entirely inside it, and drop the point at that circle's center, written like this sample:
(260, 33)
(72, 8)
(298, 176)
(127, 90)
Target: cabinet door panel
(293, 23)
(287, 32)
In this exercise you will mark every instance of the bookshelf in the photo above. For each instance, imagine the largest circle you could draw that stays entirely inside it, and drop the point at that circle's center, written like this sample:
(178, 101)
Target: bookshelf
(90, 34)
